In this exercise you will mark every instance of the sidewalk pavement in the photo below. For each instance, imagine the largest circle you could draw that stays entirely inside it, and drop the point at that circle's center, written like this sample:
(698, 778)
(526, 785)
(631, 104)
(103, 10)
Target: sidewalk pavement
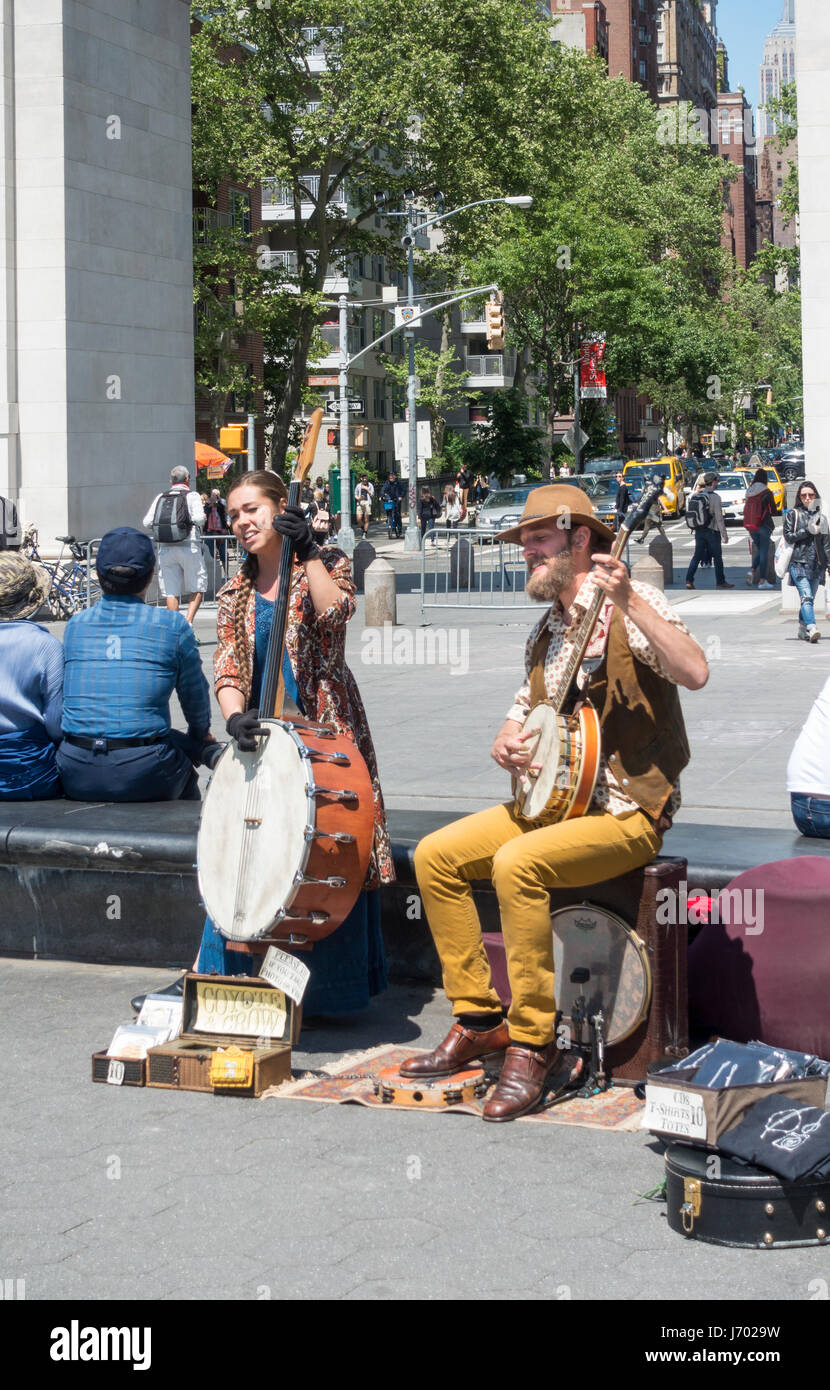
(133, 1193)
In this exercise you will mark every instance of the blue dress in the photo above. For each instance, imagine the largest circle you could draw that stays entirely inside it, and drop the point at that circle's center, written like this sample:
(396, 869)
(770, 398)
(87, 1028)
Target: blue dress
(349, 966)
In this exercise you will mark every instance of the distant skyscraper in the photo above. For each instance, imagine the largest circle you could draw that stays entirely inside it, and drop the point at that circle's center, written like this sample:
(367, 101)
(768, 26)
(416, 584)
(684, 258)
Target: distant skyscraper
(778, 67)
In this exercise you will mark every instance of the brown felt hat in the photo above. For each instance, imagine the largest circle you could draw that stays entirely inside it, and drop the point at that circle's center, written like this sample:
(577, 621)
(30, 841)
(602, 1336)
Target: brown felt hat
(558, 502)
(23, 586)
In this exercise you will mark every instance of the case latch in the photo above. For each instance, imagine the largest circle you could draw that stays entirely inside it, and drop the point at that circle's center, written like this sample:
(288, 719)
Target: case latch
(691, 1204)
(231, 1067)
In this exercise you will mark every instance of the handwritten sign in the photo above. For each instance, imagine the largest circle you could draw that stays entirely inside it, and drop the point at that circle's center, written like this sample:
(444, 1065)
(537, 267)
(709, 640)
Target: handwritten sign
(673, 1111)
(285, 972)
(249, 1010)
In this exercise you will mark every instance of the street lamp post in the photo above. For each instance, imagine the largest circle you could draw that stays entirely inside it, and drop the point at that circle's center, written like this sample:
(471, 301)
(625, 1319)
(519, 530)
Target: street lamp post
(412, 538)
(345, 536)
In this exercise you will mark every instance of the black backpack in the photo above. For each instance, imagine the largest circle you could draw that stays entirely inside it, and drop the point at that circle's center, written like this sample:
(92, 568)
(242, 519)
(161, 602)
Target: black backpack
(698, 511)
(9, 525)
(171, 519)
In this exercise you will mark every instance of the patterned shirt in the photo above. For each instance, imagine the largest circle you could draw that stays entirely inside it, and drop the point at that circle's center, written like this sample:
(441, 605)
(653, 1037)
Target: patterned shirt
(31, 678)
(608, 795)
(124, 659)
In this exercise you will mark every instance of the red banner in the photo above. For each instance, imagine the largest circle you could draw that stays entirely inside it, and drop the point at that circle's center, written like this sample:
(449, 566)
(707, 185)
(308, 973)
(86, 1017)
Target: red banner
(592, 384)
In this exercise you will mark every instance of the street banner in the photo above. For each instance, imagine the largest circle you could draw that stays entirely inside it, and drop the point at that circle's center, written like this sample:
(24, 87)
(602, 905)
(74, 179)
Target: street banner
(592, 385)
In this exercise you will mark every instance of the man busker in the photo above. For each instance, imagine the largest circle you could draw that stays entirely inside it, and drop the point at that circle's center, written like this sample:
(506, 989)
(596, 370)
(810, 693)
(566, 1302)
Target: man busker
(639, 653)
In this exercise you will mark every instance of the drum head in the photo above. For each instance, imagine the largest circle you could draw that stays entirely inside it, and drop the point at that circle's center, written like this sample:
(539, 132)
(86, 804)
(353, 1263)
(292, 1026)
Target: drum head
(252, 833)
(540, 786)
(619, 984)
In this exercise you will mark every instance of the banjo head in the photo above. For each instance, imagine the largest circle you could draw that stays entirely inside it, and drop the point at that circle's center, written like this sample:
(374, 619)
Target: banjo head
(252, 841)
(619, 984)
(535, 792)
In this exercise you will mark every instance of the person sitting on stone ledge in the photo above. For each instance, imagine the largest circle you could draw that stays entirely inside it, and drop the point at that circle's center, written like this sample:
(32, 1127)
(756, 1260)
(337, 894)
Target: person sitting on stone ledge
(31, 685)
(808, 771)
(124, 659)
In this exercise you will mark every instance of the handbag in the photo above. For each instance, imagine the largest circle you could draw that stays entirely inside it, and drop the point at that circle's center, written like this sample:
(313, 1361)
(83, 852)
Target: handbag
(783, 557)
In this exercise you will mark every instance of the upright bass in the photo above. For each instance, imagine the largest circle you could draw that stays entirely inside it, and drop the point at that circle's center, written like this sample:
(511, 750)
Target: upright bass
(286, 832)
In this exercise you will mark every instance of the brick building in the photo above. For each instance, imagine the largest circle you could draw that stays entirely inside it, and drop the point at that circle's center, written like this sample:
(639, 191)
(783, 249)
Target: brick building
(736, 143)
(632, 36)
(581, 24)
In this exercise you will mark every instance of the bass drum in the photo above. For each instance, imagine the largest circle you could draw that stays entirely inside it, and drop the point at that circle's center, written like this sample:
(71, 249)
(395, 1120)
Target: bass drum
(286, 834)
(619, 983)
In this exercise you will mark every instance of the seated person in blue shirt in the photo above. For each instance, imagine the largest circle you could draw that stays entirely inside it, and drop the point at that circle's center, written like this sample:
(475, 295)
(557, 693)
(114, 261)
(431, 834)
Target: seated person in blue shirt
(31, 685)
(123, 660)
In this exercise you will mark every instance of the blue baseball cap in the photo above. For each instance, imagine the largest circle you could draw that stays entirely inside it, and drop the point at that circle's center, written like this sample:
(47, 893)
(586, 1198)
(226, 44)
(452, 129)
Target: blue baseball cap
(125, 548)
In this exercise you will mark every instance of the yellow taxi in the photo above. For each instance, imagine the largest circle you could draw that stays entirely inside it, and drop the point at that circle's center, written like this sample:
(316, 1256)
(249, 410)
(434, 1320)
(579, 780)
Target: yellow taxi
(673, 500)
(774, 482)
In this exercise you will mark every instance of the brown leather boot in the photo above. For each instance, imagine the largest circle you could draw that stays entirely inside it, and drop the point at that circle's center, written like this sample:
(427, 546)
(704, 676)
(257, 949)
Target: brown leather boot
(460, 1048)
(523, 1078)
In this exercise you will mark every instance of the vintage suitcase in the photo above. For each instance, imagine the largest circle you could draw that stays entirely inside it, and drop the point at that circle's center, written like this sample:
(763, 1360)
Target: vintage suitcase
(119, 1071)
(678, 1109)
(723, 1201)
(636, 964)
(249, 1020)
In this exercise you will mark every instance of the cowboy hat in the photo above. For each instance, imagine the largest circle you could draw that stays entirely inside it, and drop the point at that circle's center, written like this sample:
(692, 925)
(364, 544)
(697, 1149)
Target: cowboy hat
(23, 586)
(566, 505)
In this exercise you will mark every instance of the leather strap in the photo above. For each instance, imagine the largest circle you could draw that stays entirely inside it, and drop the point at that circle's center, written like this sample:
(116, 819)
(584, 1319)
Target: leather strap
(538, 657)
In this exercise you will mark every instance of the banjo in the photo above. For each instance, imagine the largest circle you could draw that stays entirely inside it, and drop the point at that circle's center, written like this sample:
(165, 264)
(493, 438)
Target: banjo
(286, 832)
(569, 745)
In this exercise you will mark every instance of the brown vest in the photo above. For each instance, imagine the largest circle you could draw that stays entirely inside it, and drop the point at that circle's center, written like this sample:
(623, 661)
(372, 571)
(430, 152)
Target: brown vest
(643, 734)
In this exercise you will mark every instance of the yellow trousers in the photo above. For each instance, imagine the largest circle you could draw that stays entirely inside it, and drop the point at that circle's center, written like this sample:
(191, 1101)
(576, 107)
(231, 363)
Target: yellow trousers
(524, 862)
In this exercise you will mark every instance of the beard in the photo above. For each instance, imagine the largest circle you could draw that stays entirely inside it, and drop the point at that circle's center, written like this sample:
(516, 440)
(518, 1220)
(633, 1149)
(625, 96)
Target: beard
(558, 574)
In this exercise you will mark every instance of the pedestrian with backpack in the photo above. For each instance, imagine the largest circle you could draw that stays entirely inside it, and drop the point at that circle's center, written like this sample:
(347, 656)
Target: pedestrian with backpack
(758, 513)
(176, 518)
(704, 517)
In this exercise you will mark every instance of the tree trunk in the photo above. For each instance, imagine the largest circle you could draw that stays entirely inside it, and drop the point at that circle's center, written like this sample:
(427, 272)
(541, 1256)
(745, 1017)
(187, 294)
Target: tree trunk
(295, 375)
(438, 418)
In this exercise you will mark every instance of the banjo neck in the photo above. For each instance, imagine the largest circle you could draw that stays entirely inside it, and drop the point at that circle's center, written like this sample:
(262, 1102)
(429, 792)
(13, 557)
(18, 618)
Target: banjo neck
(589, 621)
(272, 692)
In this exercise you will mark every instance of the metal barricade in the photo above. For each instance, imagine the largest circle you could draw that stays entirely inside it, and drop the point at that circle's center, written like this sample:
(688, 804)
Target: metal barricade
(464, 567)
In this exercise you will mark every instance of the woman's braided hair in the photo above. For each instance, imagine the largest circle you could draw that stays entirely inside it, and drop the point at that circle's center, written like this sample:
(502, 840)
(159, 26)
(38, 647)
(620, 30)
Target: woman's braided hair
(271, 486)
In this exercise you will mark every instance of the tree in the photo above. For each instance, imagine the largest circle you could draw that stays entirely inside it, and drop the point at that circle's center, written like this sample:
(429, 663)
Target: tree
(331, 108)
(506, 445)
(624, 237)
(440, 386)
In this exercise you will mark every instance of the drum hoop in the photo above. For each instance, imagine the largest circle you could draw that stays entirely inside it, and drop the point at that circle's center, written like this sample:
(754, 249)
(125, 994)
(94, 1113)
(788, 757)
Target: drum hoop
(311, 815)
(637, 942)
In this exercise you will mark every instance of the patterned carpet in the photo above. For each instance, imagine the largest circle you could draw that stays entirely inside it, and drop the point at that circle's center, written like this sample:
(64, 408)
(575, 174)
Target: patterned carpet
(353, 1077)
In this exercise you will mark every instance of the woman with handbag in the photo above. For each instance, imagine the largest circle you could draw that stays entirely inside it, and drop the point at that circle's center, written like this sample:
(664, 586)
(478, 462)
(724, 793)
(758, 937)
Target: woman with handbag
(807, 537)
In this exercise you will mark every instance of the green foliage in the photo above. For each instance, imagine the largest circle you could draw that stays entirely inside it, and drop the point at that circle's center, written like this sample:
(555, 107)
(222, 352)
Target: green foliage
(392, 108)
(440, 387)
(506, 445)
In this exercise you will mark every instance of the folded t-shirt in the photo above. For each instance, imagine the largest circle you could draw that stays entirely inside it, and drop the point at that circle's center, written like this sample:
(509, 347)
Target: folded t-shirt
(789, 1139)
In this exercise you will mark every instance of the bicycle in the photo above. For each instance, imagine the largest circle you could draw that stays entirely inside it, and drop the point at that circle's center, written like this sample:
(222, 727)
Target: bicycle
(71, 589)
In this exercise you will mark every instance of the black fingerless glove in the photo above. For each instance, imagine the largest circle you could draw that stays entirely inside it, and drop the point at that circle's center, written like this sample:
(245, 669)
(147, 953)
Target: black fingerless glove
(292, 524)
(243, 728)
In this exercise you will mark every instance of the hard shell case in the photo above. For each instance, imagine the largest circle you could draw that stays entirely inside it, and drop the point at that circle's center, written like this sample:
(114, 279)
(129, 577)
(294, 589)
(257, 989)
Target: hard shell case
(184, 1063)
(723, 1201)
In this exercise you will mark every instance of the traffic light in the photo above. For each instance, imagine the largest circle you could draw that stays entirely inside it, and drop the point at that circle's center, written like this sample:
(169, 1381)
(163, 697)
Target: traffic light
(333, 438)
(495, 320)
(232, 438)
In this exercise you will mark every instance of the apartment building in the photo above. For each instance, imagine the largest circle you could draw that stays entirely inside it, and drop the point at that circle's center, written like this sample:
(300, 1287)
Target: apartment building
(581, 24)
(632, 42)
(687, 54)
(736, 143)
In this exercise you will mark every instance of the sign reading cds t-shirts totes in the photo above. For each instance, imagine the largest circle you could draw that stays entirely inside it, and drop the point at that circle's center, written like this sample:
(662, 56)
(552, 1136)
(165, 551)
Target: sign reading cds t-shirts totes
(592, 384)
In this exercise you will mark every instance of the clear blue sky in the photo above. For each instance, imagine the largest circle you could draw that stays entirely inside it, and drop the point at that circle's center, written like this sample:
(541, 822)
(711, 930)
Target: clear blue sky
(743, 25)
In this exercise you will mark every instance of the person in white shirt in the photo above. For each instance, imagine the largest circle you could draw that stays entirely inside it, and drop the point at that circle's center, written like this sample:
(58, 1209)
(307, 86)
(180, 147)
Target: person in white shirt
(181, 565)
(808, 771)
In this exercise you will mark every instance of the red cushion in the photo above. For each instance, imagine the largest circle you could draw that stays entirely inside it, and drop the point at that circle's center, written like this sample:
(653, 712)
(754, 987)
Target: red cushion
(773, 984)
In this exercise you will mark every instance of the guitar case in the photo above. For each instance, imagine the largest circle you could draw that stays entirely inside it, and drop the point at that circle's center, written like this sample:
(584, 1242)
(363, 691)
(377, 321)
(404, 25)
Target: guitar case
(723, 1201)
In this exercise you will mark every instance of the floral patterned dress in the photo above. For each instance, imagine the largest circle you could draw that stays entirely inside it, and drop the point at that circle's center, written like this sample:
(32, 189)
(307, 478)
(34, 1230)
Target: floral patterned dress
(316, 645)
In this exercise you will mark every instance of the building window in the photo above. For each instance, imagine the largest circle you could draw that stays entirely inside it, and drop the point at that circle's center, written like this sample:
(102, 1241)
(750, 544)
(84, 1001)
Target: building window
(379, 400)
(381, 460)
(643, 70)
(240, 210)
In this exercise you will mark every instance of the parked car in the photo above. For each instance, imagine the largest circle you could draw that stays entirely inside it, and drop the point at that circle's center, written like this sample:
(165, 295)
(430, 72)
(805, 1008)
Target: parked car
(792, 463)
(604, 467)
(673, 500)
(504, 508)
(602, 492)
